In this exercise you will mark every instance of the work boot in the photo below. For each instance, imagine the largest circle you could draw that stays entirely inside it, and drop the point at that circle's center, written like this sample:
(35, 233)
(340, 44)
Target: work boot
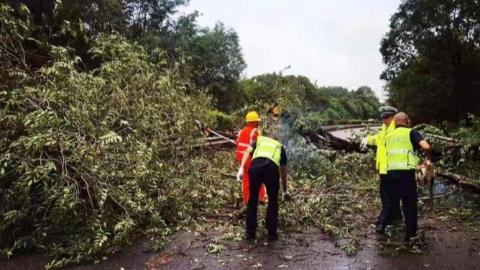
(380, 228)
(272, 237)
(250, 236)
(412, 240)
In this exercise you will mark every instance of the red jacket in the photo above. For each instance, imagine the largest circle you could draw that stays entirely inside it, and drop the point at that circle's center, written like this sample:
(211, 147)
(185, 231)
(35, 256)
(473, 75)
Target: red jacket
(245, 137)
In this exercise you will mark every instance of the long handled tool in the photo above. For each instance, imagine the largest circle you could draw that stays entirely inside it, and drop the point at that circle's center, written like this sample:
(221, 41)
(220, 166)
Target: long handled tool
(220, 135)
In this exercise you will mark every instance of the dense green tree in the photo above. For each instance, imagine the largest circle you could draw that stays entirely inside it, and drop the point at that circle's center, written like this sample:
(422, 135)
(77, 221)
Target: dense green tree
(432, 52)
(367, 101)
(214, 60)
(132, 17)
(210, 58)
(297, 95)
(150, 15)
(335, 91)
(291, 92)
(75, 23)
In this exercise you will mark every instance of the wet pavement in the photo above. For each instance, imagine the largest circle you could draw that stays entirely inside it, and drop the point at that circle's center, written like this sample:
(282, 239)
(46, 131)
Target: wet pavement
(449, 246)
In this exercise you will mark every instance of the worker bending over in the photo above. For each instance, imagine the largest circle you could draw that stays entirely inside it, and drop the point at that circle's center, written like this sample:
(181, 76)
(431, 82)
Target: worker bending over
(401, 164)
(245, 138)
(269, 163)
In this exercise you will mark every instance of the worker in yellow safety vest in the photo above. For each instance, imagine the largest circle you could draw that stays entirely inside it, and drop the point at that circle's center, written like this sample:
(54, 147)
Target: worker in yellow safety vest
(402, 146)
(269, 164)
(388, 125)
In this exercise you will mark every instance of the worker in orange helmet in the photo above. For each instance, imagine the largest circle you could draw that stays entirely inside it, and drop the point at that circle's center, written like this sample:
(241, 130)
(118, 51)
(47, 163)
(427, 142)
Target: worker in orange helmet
(245, 138)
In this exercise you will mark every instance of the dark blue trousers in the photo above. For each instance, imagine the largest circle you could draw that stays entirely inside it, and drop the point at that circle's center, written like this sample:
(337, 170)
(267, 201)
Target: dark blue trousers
(385, 189)
(403, 188)
(268, 175)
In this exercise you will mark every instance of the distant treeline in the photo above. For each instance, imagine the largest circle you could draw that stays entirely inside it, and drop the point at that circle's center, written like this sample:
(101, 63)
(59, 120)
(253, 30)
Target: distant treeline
(297, 95)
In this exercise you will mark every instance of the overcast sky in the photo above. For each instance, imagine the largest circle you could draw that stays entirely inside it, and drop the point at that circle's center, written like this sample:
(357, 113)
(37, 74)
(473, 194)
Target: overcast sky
(333, 42)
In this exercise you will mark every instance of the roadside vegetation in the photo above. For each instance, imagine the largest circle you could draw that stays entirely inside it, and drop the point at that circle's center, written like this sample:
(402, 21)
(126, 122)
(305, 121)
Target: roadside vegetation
(100, 103)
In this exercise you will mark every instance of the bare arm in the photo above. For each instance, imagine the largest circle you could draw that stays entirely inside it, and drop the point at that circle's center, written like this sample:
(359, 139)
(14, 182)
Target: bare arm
(283, 175)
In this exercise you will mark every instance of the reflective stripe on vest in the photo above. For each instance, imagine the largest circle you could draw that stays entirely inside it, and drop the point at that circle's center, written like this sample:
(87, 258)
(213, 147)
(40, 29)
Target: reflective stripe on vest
(244, 140)
(243, 144)
(252, 133)
(400, 151)
(268, 148)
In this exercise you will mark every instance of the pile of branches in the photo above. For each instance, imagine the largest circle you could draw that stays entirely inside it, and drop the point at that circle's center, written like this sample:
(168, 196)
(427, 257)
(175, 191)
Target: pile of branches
(88, 158)
(337, 193)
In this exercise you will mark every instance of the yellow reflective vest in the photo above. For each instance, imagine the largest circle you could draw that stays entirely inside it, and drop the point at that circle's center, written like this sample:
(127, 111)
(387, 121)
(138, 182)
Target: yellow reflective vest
(400, 151)
(268, 148)
(379, 140)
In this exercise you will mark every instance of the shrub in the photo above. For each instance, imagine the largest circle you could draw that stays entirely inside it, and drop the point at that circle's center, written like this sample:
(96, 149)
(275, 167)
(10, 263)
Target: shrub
(223, 121)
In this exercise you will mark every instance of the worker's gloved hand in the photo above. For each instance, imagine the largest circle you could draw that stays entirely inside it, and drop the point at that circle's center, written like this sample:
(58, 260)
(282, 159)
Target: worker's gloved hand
(363, 143)
(240, 174)
(286, 196)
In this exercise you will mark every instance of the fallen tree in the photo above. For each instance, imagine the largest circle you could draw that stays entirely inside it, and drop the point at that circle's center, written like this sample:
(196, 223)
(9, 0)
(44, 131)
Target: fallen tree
(87, 157)
(324, 139)
(460, 180)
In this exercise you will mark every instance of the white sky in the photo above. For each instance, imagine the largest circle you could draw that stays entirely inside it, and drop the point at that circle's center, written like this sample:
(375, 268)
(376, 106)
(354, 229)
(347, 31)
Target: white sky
(332, 42)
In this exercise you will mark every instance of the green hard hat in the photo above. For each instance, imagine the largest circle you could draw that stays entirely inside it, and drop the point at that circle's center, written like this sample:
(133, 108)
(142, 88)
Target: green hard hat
(386, 111)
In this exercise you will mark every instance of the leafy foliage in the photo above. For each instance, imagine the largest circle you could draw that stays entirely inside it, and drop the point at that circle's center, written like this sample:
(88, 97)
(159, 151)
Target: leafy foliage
(469, 131)
(210, 59)
(433, 57)
(13, 30)
(214, 61)
(298, 96)
(84, 168)
(96, 117)
(223, 121)
(333, 192)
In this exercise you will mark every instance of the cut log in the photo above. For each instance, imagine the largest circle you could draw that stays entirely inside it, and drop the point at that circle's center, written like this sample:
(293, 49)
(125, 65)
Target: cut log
(442, 138)
(202, 143)
(461, 180)
(323, 138)
(439, 196)
(224, 135)
(340, 127)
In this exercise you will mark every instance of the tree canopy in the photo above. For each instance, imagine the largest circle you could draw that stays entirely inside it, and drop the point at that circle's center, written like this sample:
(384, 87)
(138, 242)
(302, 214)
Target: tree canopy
(297, 95)
(432, 53)
(211, 58)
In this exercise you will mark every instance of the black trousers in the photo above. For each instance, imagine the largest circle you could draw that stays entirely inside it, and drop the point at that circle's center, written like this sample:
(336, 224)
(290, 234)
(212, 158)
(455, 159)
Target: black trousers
(385, 186)
(404, 189)
(268, 175)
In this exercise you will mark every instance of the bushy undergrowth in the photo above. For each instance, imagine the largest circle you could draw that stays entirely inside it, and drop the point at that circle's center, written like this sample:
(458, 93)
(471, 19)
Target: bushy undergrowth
(469, 132)
(462, 154)
(88, 158)
(223, 121)
(336, 193)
